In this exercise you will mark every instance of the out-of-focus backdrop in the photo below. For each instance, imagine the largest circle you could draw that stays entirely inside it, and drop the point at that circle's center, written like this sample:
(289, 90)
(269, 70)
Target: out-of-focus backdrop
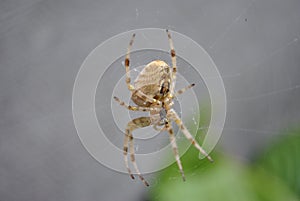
(255, 45)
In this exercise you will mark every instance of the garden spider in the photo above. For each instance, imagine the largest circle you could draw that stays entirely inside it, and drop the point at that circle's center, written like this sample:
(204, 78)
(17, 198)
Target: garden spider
(153, 91)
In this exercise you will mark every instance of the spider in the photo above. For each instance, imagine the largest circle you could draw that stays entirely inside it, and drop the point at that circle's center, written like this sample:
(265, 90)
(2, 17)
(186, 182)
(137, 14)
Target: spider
(153, 92)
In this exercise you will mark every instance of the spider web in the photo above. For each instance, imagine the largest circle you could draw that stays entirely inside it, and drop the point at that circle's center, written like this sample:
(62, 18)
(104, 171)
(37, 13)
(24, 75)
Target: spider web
(257, 55)
(255, 45)
(263, 86)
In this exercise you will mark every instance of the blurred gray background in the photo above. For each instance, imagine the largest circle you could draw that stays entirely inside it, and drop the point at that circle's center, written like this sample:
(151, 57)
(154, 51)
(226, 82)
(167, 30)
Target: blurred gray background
(255, 45)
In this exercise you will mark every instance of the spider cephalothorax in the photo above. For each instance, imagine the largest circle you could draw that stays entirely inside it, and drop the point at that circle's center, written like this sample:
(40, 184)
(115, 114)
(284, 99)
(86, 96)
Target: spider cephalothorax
(153, 92)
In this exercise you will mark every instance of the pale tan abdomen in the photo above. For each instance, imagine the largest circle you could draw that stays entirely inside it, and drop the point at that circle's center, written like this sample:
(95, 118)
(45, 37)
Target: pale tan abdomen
(149, 82)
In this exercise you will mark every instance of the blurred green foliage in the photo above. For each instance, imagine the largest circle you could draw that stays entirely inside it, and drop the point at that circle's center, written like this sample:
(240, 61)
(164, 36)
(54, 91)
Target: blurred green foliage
(282, 159)
(273, 176)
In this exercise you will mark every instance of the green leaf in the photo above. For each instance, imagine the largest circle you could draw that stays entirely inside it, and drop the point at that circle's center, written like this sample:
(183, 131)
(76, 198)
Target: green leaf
(282, 159)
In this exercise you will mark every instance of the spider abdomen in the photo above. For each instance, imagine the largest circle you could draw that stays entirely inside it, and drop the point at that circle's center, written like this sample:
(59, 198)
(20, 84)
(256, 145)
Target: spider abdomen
(153, 81)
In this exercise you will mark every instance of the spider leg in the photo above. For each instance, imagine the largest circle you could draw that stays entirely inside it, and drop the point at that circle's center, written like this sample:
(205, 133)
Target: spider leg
(125, 152)
(187, 134)
(132, 125)
(181, 91)
(174, 64)
(127, 62)
(134, 108)
(175, 148)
